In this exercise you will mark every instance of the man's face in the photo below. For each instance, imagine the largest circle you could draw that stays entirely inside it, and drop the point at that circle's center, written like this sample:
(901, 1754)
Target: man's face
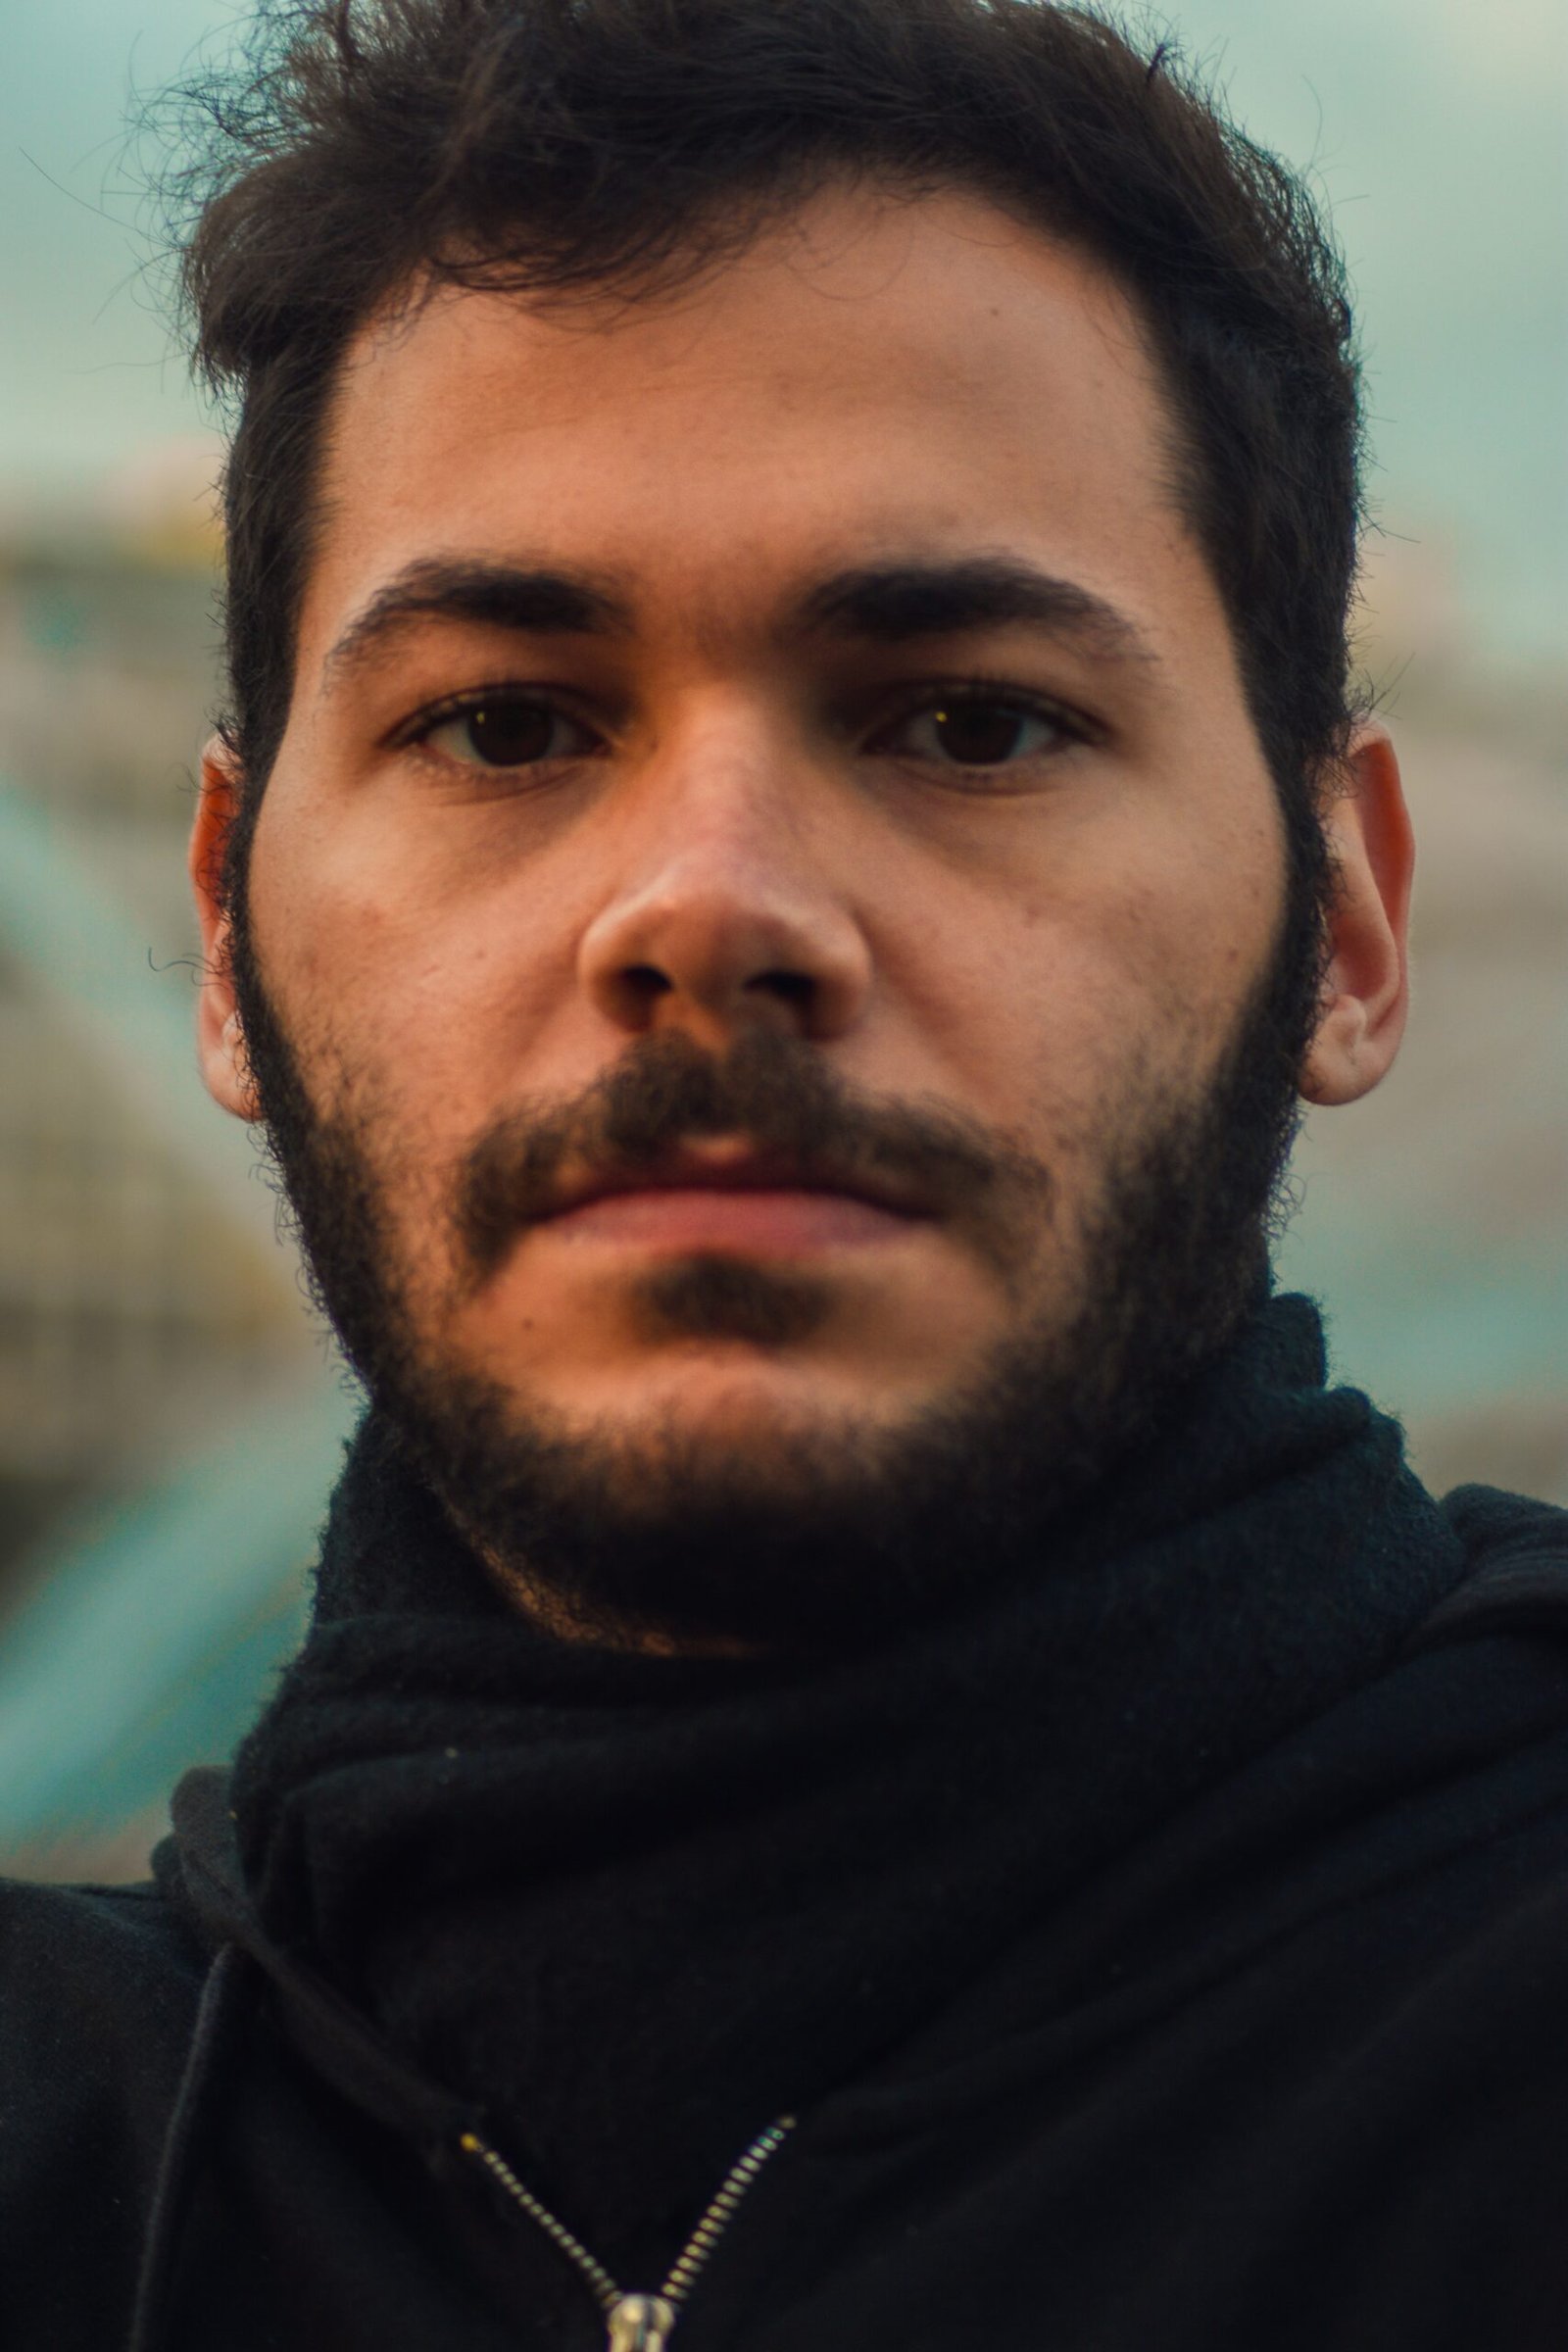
(770, 858)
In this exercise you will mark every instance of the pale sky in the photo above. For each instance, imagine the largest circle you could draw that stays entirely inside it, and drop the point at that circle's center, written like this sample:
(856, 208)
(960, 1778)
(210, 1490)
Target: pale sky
(1436, 126)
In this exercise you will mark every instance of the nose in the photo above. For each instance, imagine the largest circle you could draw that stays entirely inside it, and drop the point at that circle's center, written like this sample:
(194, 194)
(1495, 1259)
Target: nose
(727, 913)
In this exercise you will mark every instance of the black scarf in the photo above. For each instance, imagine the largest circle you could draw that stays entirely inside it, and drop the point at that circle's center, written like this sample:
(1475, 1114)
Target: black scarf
(638, 1907)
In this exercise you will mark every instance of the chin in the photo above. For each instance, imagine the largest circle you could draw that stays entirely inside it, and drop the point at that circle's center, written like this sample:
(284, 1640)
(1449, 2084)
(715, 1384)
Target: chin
(722, 1398)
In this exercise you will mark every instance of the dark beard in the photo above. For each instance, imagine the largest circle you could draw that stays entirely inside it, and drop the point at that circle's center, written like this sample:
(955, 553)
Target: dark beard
(840, 1537)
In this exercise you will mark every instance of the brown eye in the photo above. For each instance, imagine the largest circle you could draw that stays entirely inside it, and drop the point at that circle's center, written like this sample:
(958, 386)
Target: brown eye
(978, 734)
(509, 731)
(976, 731)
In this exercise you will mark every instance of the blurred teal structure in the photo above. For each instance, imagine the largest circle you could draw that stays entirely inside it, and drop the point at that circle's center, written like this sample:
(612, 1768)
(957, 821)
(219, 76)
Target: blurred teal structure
(148, 1633)
(149, 1641)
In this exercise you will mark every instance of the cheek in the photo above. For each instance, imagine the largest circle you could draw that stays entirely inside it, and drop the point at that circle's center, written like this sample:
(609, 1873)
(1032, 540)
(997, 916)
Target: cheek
(429, 997)
(1195, 917)
(1075, 1006)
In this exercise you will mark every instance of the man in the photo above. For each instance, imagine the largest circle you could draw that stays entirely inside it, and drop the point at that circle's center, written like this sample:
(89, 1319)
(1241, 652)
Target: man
(880, 1763)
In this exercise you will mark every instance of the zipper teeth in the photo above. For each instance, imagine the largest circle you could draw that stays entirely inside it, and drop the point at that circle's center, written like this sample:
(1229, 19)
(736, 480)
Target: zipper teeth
(598, 2278)
(694, 2255)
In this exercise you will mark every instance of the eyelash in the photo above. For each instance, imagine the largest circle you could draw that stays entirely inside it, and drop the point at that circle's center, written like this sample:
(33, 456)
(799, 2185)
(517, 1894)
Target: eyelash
(974, 688)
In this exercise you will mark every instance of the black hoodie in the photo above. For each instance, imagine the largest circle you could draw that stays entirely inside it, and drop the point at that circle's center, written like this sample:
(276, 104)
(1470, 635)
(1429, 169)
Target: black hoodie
(1169, 1956)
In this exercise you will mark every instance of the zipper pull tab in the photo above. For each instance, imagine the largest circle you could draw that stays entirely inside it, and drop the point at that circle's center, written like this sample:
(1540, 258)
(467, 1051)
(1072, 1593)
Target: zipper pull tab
(639, 2323)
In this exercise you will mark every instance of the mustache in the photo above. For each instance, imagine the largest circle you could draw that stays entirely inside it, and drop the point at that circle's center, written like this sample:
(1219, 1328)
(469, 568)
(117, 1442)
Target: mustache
(781, 1096)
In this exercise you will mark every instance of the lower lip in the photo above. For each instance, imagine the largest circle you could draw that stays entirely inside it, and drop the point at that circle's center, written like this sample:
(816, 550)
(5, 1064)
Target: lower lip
(777, 1224)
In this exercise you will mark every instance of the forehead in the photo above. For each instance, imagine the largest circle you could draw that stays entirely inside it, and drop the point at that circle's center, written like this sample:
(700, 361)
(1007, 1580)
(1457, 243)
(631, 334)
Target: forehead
(872, 375)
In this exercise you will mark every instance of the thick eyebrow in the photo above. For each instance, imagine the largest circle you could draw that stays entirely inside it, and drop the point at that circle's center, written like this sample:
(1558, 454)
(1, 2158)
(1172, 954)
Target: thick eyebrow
(505, 596)
(882, 604)
(895, 604)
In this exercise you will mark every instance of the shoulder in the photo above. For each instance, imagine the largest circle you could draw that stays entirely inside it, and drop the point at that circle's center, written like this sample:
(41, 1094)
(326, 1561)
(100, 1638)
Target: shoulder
(1491, 1521)
(98, 1989)
(1468, 1722)
(1516, 1569)
(121, 1944)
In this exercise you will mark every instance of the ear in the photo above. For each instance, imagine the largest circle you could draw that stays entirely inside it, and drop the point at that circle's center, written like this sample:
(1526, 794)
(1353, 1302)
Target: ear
(219, 1040)
(1366, 993)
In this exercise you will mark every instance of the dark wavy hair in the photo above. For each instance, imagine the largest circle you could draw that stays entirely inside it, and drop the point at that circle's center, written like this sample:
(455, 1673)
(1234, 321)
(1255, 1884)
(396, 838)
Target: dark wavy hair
(367, 146)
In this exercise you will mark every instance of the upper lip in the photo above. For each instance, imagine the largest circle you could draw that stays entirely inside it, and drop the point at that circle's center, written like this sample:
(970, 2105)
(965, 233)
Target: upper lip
(732, 1168)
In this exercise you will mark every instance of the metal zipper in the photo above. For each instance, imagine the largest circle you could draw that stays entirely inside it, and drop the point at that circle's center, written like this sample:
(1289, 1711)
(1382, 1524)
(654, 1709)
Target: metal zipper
(641, 2322)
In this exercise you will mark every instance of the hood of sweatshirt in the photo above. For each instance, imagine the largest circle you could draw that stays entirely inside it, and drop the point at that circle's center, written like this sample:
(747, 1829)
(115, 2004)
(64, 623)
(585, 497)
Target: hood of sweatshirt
(620, 1912)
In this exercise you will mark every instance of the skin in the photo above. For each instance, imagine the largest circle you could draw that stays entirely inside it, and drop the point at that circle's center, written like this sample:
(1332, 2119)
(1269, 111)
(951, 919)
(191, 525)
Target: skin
(745, 825)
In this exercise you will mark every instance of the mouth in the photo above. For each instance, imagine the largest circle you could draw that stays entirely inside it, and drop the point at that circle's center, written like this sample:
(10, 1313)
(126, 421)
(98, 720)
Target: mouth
(728, 1197)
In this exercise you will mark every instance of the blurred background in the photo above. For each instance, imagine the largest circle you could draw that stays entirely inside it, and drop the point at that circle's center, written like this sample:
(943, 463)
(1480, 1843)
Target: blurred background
(170, 1413)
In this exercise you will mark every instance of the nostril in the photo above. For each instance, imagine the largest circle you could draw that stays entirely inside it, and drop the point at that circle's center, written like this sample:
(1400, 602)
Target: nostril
(647, 981)
(795, 988)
